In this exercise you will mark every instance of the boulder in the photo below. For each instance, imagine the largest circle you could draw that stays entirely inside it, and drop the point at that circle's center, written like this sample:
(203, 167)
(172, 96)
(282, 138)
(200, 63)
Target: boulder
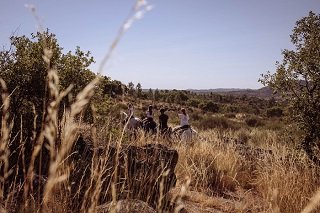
(144, 173)
(151, 173)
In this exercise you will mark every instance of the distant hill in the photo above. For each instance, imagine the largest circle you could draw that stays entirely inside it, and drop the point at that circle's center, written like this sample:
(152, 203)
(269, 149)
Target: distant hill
(264, 92)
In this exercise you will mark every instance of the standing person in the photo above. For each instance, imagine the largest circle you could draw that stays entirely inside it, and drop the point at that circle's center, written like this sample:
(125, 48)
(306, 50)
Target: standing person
(149, 122)
(184, 120)
(163, 121)
(150, 113)
(130, 111)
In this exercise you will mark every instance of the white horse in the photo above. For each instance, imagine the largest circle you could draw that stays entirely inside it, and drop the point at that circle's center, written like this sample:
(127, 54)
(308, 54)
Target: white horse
(132, 124)
(186, 135)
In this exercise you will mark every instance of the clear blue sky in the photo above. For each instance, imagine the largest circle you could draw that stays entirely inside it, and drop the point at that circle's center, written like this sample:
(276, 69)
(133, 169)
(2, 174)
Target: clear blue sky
(180, 44)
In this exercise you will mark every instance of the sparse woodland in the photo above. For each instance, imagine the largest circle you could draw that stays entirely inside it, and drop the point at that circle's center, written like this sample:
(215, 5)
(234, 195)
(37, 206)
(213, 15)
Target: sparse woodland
(252, 154)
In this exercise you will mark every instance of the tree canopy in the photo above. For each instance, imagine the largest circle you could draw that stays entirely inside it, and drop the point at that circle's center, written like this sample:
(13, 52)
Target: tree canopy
(297, 79)
(24, 69)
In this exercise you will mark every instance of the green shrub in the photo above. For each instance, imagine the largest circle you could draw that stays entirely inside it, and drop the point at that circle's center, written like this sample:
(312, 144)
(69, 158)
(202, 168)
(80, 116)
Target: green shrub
(209, 106)
(230, 115)
(210, 122)
(193, 102)
(195, 116)
(274, 112)
(253, 121)
(232, 109)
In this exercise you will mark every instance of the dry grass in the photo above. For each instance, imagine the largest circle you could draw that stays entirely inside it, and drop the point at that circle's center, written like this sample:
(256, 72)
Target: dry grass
(4, 138)
(224, 174)
(226, 170)
(278, 178)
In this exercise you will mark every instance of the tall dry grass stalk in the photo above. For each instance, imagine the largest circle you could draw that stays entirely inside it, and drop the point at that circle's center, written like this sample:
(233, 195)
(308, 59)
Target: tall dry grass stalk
(313, 204)
(179, 202)
(68, 136)
(137, 12)
(4, 138)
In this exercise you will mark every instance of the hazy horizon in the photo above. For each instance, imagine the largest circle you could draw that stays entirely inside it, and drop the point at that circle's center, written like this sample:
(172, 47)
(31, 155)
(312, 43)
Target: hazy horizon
(180, 44)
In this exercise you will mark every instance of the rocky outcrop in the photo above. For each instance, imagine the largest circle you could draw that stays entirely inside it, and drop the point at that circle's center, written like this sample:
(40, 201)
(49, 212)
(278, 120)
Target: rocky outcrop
(144, 173)
(150, 173)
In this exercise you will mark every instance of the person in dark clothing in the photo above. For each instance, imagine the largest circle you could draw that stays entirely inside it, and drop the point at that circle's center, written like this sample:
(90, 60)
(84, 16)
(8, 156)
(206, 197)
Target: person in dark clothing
(163, 121)
(149, 123)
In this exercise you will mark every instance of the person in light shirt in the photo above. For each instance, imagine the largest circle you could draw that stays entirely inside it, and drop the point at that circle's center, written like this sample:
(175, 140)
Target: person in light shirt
(150, 113)
(184, 120)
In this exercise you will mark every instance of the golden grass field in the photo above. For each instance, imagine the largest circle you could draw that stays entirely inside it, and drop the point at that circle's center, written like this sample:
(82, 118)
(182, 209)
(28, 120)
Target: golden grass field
(219, 171)
(222, 170)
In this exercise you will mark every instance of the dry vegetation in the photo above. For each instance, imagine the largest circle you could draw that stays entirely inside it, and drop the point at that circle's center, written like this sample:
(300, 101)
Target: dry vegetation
(260, 174)
(225, 169)
(256, 180)
(242, 169)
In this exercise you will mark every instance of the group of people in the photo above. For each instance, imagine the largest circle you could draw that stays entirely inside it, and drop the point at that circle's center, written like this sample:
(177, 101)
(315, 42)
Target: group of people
(163, 119)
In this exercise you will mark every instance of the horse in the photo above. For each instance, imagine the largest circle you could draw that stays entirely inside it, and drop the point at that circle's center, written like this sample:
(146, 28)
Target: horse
(185, 135)
(150, 126)
(132, 124)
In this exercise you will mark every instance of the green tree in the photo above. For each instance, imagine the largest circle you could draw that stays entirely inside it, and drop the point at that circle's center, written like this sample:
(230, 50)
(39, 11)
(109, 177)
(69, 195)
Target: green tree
(157, 95)
(139, 90)
(150, 94)
(297, 79)
(193, 102)
(24, 67)
(209, 106)
(109, 87)
(73, 68)
(24, 70)
(274, 112)
(117, 87)
(131, 89)
(181, 97)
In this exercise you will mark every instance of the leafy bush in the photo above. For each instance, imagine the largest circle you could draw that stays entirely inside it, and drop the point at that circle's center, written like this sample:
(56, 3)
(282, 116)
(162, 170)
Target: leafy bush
(27, 68)
(211, 122)
(232, 109)
(193, 102)
(24, 67)
(209, 106)
(195, 116)
(274, 112)
(253, 121)
(181, 97)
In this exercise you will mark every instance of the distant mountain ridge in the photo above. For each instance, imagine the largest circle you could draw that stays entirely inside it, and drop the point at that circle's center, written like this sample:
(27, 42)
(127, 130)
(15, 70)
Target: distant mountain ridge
(217, 90)
(264, 92)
